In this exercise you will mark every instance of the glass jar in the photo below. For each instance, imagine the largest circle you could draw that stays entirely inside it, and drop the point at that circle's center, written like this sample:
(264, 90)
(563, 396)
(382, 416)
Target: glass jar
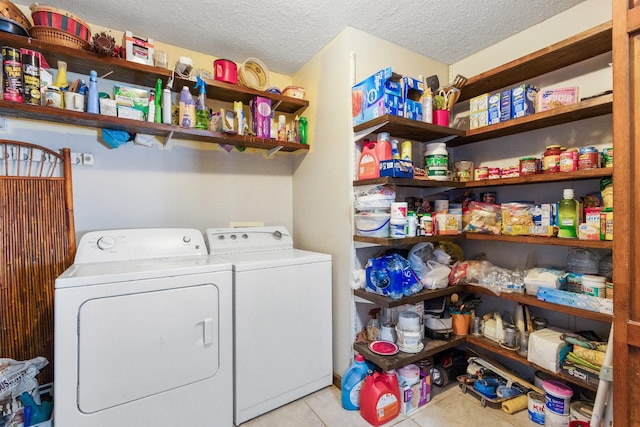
(569, 160)
(551, 159)
(528, 166)
(589, 158)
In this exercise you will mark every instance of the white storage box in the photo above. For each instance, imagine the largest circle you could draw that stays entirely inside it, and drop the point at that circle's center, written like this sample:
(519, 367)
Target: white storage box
(372, 224)
(546, 349)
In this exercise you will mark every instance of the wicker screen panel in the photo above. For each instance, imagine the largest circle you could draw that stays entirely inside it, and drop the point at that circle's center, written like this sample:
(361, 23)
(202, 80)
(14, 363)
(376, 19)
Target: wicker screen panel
(38, 242)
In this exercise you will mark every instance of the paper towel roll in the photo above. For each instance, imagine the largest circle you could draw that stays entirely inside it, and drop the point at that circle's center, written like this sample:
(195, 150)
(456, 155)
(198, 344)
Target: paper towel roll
(516, 404)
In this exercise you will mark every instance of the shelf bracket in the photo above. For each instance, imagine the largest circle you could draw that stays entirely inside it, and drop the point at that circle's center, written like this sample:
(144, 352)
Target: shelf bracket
(359, 135)
(273, 151)
(275, 107)
(168, 143)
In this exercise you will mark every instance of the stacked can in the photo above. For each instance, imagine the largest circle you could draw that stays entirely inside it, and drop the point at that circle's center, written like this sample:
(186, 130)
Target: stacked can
(398, 221)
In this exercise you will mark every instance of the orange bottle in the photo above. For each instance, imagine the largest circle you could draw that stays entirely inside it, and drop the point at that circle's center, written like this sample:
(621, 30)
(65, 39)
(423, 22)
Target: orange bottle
(369, 164)
(380, 397)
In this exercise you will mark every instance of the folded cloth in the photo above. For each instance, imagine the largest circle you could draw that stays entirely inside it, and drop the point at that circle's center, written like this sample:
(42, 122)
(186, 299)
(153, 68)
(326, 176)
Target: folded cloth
(577, 360)
(594, 357)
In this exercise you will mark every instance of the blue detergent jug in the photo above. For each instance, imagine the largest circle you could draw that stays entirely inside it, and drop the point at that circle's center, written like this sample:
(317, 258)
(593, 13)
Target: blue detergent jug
(351, 384)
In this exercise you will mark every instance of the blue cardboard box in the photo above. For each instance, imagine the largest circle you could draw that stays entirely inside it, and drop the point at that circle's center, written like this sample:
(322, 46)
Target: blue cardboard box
(505, 105)
(412, 91)
(376, 96)
(396, 168)
(493, 107)
(523, 100)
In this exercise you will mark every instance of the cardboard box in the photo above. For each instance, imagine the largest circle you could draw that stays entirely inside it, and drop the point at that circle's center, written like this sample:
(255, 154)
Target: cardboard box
(554, 98)
(572, 299)
(131, 98)
(412, 91)
(417, 395)
(493, 109)
(479, 103)
(523, 100)
(137, 49)
(583, 374)
(447, 224)
(376, 96)
(478, 119)
(396, 168)
(223, 121)
(505, 105)
(261, 116)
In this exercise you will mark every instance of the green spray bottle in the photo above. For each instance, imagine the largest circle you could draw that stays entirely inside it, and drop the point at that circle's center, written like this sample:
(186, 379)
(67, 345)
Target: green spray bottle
(158, 102)
(202, 111)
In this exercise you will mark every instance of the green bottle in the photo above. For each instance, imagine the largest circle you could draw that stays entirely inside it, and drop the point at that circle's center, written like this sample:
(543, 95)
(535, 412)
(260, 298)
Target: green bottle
(303, 129)
(568, 215)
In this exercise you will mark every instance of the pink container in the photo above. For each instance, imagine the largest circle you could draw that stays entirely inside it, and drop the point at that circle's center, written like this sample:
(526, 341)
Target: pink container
(225, 71)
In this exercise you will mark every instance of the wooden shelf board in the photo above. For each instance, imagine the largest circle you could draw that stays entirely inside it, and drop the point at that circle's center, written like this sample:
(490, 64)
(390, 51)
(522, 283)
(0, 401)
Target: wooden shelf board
(389, 241)
(542, 178)
(98, 121)
(590, 43)
(401, 359)
(423, 295)
(414, 130)
(408, 182)
(80, 61)
(494, 347)
(535, 302)
(541, 240)
(569, 113)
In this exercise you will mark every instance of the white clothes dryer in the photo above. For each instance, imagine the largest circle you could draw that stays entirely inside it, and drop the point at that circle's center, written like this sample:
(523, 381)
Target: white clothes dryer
(143, 332)
(282, 317)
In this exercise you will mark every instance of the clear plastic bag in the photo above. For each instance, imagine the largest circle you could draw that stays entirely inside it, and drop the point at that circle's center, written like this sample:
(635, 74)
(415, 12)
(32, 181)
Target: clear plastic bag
(431, 273)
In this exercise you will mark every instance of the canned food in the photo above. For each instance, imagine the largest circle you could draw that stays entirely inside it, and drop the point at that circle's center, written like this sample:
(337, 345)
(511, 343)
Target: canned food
(569, 160)
(528, 166)
(589, 158)
(494, 173)
(607, 157)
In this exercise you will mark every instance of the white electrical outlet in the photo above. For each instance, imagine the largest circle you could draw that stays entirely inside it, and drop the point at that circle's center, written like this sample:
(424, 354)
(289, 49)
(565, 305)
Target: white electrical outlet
(87, 159)
(76, 158)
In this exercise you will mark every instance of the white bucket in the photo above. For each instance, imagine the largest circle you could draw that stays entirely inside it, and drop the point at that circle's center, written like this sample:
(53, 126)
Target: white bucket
(535, 407)
(593, 286)
(372, 224)
(399, 210)
(551, 419)
(557, 397)
(398, 228)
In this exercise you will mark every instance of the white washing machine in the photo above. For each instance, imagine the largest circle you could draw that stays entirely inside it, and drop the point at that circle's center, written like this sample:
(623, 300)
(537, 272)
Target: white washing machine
(143, 332)
(282, 317)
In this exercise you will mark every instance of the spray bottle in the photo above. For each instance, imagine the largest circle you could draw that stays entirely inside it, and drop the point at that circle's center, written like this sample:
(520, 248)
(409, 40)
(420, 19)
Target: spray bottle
(166, 103)
(187, 109)
(158, 102)
(202, 111)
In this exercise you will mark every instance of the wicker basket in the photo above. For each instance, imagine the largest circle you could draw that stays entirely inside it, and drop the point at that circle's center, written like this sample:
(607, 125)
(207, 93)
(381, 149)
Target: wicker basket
(11, 11)
(59, 37)
(59, 19)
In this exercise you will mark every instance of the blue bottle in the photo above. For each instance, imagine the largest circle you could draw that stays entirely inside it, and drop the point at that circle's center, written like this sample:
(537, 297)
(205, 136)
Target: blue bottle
(352, 382)
(93, 104)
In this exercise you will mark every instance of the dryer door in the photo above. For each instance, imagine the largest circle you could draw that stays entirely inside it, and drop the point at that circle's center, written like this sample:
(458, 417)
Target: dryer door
(136, 345)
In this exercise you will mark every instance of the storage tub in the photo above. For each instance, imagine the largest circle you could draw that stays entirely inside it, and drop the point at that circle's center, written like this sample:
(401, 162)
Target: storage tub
(372, 224)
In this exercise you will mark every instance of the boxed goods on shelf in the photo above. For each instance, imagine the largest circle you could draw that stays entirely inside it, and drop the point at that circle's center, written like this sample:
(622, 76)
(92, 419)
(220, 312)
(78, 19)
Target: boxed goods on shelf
(132, 103)
(478, 111)
(554, 98)
(547, 349)
(583, 374)
(412, 91)
(505, 105)
(523, 100)
(396, 168)
(494, 109)
(261, 116)
(376, 96)
(572, 299)
(137, 49)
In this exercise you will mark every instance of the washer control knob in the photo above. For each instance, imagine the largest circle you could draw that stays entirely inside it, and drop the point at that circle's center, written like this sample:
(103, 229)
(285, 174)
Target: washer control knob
(245, 236)
(186, 239)
(220, 237)
(106, 243)
(277, 235)
(234, 237)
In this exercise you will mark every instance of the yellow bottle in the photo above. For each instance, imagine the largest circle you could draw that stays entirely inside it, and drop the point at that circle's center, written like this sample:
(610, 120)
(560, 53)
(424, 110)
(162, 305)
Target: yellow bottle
(61, 78)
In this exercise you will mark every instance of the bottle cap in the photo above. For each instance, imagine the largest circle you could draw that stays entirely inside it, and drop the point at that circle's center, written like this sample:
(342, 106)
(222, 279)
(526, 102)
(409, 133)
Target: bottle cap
(567, 193)
(359, 357)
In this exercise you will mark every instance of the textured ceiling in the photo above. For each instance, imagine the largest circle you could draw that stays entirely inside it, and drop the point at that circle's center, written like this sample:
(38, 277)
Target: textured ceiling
(285, 34)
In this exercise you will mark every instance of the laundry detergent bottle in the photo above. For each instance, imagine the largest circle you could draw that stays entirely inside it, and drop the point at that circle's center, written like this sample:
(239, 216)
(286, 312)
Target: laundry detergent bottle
(352, 382)
(369, 164)
(380, 397)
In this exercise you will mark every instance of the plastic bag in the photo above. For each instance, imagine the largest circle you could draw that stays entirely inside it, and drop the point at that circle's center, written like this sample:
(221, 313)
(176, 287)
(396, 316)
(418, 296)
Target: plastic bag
(482, 218)
(18, 377)
(432, 274)
(391, 275)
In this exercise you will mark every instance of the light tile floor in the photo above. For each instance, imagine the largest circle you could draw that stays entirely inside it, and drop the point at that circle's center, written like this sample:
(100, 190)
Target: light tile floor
(448, 407)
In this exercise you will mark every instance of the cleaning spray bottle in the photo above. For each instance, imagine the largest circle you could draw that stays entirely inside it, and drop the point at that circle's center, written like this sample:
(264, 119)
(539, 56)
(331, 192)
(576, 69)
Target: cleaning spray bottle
(61, 78)
(158, 102)
(166, 103)
(187, 109)
(202, 111)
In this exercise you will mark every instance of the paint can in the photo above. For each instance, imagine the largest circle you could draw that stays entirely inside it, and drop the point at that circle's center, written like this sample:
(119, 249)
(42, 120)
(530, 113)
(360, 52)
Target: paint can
(535, 407)
(557, 397)
(11, 74)
(581, 411)
(552, 419)
(31, 77)
(399, 210)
